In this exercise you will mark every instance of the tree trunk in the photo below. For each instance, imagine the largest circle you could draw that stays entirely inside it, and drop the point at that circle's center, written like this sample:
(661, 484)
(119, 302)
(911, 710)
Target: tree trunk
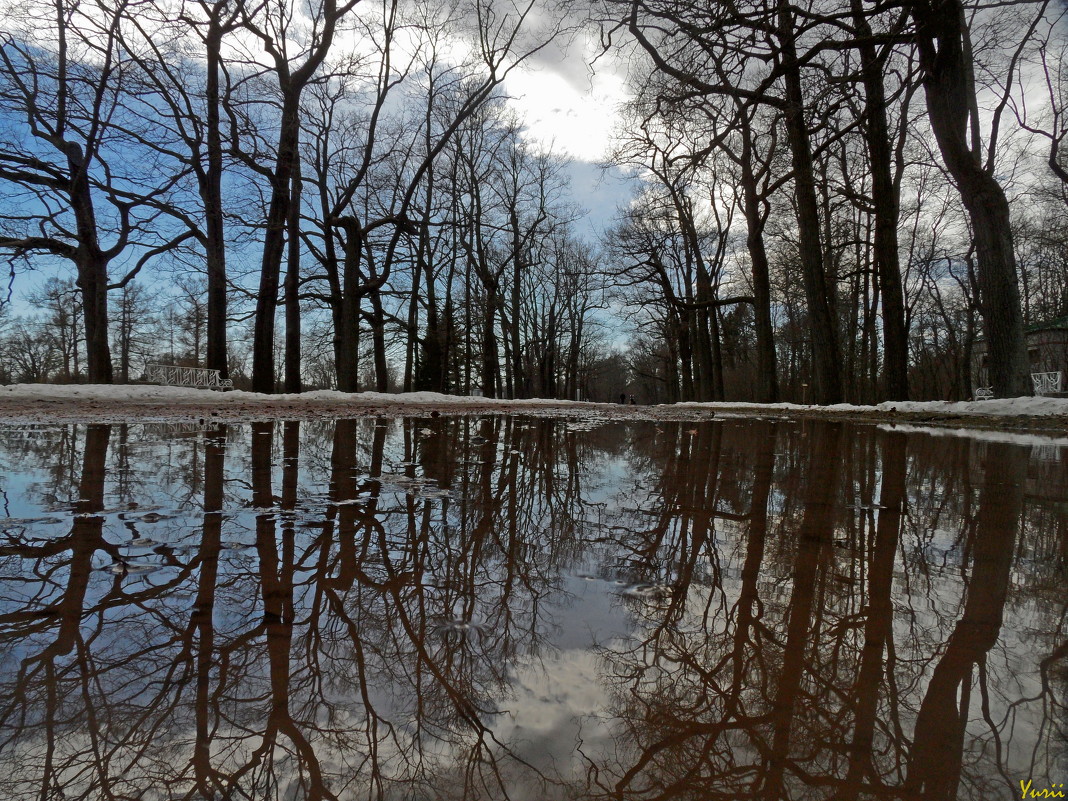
(520, 382)
(999, 294)
(378, 343)
(887, 205)
(826, 355)
(211, 195)
(293, 381)
(93, 281)
(347, 345)
(273, 247)
(705, 383)
(767, 367)
(672, 378)
(685, 329)
(346, 301)
(125, 335)
(950, 91)
(450, 373)
(347, 328)
(716, 354)
(92, 270)
(435, 353)
(490, 365)
(413, 359)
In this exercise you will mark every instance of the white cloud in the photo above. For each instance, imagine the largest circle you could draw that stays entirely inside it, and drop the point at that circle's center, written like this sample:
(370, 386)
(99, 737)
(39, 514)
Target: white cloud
(557, 111)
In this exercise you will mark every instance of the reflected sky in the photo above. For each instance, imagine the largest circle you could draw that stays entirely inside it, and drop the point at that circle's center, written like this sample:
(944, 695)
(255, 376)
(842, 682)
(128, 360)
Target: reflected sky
(525, 608)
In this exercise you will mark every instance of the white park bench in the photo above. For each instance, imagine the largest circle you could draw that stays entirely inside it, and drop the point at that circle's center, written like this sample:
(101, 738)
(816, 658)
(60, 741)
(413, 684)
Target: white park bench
(169, 375)
(1046, 383)
(1043, 383)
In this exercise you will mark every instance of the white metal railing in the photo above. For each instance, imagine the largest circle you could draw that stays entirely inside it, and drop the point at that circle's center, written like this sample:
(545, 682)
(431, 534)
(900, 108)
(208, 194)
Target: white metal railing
(1046, 383)
(161, 431)
(171, 375)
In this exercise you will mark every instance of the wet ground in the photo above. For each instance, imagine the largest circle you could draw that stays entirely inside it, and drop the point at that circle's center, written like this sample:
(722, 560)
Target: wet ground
(530, 608)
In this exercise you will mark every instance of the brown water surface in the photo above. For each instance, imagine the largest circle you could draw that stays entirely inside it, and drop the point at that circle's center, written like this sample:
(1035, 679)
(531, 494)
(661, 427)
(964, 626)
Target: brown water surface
(525, 608)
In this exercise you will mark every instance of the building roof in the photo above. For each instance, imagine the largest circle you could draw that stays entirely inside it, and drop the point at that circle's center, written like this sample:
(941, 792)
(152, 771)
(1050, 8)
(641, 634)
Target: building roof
(1059, 322)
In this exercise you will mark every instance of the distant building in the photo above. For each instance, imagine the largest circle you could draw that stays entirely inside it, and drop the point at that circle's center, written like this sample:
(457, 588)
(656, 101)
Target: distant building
(1047, 352)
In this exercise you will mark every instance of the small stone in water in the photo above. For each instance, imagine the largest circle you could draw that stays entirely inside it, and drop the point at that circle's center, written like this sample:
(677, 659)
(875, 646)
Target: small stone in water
(131, 568)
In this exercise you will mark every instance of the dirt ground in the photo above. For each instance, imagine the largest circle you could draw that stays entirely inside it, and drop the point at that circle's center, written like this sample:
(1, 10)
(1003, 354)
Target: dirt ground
(22, 410)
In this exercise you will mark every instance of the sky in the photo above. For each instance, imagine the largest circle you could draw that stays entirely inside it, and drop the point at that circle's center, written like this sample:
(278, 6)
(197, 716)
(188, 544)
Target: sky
(566, 101)
(572, 106)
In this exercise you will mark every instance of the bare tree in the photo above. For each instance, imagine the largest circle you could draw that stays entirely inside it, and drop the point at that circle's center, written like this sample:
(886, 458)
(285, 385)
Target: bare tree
(67, 162)
(135, 326)
(180, 56)
(944, 39)
(293, 72)
(62, 324)
(371, 169)
(683, 42)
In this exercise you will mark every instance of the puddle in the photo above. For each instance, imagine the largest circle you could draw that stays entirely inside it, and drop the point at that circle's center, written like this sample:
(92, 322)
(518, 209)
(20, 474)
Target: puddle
(362, 609)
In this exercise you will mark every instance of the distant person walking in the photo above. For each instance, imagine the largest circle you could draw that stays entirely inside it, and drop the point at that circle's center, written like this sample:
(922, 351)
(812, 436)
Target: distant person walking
(622, 397)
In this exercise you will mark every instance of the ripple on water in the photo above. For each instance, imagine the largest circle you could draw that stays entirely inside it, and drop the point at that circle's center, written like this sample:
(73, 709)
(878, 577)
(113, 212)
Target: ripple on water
(458, 627)
(29, 521)
(648, 592)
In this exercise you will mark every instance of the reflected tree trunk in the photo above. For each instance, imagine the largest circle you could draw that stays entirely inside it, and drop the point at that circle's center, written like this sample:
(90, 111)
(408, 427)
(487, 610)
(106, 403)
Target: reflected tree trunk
(814, 539)
(878, 624)
(748, 595)
(343, 489)
(85, 538)
(208, 780)
(938, 746)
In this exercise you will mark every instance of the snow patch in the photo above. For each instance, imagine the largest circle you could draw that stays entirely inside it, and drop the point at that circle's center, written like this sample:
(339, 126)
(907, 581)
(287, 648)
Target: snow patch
(1009, 437)
(142, 393)
(152, 392)
(998, 407)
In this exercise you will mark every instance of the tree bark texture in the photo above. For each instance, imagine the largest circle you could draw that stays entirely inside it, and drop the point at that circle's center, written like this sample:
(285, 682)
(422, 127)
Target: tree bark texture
(211, 195)
(293, 381)
(92, 265)
(273, 248)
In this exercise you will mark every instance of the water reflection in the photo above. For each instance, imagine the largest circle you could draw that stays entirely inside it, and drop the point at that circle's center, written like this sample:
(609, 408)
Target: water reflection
(527, 608)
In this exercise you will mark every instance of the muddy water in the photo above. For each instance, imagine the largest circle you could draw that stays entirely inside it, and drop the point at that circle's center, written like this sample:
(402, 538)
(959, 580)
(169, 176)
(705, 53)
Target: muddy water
(461, 608)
